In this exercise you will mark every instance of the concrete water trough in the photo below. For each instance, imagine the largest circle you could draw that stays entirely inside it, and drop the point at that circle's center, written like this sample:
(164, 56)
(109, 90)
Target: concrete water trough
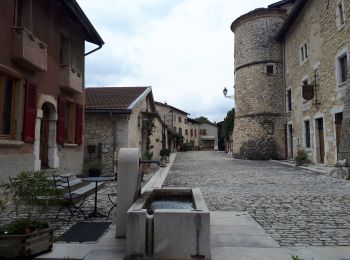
(168, 223)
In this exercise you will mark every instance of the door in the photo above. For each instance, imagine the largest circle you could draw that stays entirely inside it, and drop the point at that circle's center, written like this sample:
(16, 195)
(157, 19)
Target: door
(338, 122)
(44, 137)
(290, 141)
(320, 139)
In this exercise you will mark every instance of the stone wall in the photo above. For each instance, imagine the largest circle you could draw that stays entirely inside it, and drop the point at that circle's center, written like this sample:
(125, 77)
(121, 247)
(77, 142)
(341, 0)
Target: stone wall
(258, 94)
(99, 128)
(316, 26)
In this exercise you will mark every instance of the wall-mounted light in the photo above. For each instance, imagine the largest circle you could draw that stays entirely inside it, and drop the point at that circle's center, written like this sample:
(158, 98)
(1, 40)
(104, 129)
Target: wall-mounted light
(225, 93)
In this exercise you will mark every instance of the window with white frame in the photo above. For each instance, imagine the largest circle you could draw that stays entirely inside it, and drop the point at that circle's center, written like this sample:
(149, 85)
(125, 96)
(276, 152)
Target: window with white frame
(304, 53)
(340, 14)
(342, 67)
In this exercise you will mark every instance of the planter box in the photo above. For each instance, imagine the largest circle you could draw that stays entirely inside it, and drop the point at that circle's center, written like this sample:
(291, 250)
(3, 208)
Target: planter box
(12, 246)
(71, 79)
(28, 51)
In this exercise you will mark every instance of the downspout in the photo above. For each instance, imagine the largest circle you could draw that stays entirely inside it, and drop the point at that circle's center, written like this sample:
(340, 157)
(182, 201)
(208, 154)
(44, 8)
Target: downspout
(285, 99)
(96, 49)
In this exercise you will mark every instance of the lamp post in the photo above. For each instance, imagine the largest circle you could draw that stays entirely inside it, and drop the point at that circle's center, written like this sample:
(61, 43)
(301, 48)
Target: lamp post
(225, 93)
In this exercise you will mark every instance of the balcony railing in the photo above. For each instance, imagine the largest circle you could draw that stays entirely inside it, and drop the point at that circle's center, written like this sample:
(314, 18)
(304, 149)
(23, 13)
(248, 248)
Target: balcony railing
(71, 79)
(28, 51)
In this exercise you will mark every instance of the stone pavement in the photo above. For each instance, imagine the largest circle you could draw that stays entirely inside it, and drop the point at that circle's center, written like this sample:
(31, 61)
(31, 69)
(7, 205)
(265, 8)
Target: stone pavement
(295, 206)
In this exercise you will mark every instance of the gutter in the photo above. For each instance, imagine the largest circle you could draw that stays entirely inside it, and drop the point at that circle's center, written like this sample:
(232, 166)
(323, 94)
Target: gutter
(96, 49)
(107, 111)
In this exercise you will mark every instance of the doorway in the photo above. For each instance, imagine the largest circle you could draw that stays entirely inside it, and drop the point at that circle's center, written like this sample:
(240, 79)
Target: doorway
(290, 141)
(320, 140)
(44, 136)
(338, 122)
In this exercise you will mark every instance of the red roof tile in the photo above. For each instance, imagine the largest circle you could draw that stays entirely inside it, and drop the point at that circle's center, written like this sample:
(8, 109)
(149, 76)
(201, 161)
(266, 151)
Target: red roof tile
(112, 98)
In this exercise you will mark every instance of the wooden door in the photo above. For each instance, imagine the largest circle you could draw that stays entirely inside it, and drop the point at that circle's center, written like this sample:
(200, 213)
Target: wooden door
(338, 123)
(321, 139)
(44, 136)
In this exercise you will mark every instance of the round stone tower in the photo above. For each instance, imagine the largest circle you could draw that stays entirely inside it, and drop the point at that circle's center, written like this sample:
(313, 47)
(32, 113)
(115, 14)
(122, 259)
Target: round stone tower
(259, 87)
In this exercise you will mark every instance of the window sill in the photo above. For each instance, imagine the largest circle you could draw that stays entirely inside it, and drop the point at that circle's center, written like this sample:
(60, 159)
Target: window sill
(10, 144)
(342, 85)
(302, 63)
(69, 145)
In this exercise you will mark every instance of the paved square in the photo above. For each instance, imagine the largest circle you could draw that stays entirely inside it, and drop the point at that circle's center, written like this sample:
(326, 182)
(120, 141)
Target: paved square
(295, 206)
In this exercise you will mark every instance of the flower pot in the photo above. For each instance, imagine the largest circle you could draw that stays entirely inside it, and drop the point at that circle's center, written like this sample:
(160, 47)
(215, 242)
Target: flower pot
(26, 245)
(94, 173)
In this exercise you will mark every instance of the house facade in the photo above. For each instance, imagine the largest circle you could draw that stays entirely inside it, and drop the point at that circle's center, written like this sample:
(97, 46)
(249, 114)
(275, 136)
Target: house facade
(208, 136)
(177, 123)
(302, 72)
(119, 117)
(42, 85)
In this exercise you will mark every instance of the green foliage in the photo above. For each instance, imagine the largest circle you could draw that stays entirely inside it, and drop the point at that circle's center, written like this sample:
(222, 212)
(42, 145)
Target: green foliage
(164, 152)
(202, 119)
(147, 155)
(179, 139)
(19, 227)
(3, 204)
(32, 190)
(229, 123)
(296, 258)
(186, 147)
(94, 165)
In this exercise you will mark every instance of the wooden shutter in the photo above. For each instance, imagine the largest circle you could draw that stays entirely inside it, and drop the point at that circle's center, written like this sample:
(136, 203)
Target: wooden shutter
(60, 120)
(29, 112)
(79, 124)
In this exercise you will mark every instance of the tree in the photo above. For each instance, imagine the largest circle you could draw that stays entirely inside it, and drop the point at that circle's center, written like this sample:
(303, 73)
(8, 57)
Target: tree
(202, 119)
(228, 124)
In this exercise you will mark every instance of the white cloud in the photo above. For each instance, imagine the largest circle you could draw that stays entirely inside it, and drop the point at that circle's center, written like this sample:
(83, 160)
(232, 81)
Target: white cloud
(183, 49)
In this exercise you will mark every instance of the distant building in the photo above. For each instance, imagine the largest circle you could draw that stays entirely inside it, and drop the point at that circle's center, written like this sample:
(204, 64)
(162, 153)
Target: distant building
(208, 136)
(292, 77)
(119, 117)
(42, 60)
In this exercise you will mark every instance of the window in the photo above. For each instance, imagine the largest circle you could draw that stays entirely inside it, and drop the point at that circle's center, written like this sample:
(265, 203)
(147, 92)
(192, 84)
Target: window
(7, 107)
(307, 134)
(191, 132)
(64, 50)
(340, 15)
(180, 130)
(175, 129)
(195, 132)
(24, 14)
(186, 132)
(69, 123)
(185, 121)
(303, 53)
(342, 67)
(203, 131)
(269, 69)
(180, 119)
(289, 100)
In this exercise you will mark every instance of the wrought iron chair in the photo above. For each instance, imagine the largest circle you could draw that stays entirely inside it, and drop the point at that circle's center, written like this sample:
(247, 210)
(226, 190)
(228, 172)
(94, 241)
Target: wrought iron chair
(70, 200)
(110, 196)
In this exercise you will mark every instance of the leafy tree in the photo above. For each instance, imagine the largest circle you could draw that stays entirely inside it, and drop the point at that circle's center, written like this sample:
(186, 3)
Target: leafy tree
(229, 122)
(202, 119)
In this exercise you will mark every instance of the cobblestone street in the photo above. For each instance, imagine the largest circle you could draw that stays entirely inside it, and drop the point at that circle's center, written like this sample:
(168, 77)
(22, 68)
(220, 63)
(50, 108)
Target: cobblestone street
(296, 207)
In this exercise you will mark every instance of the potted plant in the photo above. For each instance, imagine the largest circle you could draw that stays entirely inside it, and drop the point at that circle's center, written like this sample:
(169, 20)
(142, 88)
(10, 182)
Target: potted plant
(29, 235)
(300, 157)
(146, 156)
(164, 154)
(94, 167)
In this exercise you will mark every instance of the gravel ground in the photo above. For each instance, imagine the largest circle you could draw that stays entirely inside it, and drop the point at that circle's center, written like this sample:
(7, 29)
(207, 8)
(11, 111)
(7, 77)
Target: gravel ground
(295, 206)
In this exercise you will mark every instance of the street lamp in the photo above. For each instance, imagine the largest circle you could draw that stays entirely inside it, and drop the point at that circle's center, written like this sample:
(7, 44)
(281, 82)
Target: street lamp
(225, 93)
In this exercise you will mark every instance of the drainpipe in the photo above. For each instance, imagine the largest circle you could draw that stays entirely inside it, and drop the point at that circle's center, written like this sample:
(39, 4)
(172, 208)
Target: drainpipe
(285, 99)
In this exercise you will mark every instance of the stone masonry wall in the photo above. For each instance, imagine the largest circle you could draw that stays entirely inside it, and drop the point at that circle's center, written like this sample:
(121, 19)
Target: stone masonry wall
(316, 26)
(258, 95)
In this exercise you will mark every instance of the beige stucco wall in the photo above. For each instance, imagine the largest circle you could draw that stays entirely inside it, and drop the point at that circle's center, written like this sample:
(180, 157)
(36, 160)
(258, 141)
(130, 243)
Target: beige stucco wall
(317, 27)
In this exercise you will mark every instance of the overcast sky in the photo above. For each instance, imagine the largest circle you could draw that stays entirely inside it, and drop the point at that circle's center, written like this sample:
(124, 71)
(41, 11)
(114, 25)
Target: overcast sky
(182, 48)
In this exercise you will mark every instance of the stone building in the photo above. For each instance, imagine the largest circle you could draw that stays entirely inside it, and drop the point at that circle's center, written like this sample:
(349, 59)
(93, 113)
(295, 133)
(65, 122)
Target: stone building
(193, 132)
(296, 54)
(42, 85)
(177, 123)
(208, 136)
(118, 117)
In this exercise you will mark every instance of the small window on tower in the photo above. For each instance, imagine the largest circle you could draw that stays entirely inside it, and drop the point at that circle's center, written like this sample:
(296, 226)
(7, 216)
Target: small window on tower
(269, 69)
